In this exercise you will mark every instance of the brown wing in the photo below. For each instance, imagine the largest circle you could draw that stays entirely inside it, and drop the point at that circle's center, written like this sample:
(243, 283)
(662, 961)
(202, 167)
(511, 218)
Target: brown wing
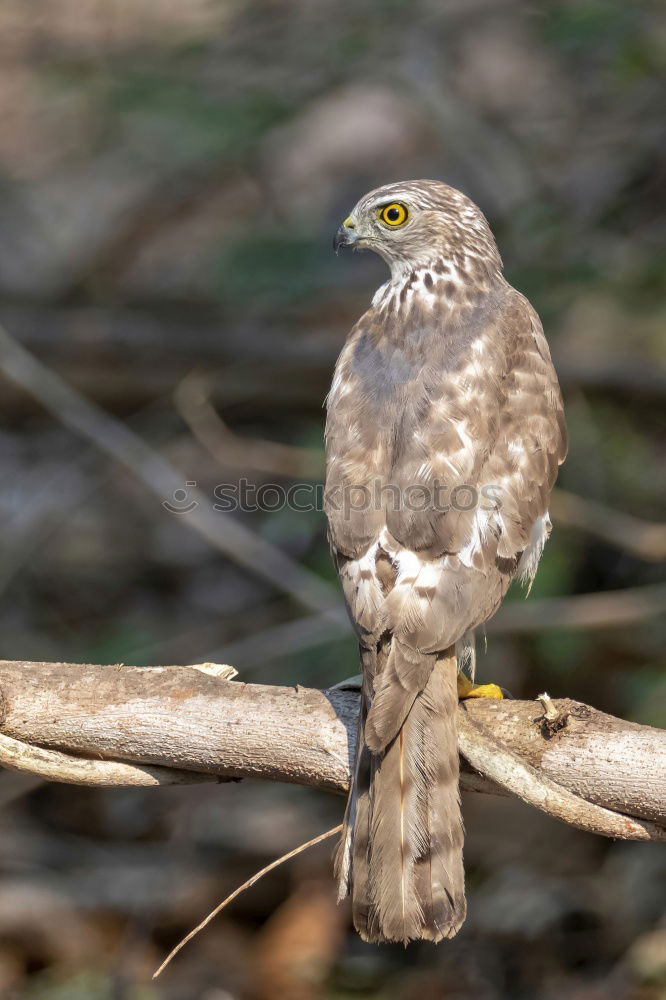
(532, 442)
(518, 440)
(484, 417)
(488, 421)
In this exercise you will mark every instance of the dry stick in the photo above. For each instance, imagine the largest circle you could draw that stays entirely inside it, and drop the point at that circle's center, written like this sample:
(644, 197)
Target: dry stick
(53, 765)
(192, 399)
(241, 888)
(26, 766)
(116, 440)
(189, 187)
(74, 484)
(494, 761)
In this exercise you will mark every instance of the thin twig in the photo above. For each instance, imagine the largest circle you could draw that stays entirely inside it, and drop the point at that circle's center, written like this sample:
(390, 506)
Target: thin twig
(550, 713)
(116, 440)
(189, 187)
(192, 399)
(241, 888)
(53, 765)
(552, 719)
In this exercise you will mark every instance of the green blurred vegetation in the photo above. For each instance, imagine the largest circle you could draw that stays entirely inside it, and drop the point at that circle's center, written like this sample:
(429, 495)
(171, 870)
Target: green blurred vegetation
(170, 179)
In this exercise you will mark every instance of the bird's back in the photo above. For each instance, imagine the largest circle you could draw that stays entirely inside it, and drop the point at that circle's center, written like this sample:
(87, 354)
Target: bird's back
(444, 433)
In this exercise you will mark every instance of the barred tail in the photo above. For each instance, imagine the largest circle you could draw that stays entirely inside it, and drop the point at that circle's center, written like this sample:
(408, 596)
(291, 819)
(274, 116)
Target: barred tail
(400, 855)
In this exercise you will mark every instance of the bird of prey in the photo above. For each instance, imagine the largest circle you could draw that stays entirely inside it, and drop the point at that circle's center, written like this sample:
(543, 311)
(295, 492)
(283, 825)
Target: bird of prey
(444, 433)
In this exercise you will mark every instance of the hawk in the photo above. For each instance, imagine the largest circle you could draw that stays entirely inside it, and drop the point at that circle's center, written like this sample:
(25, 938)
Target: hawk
(444, 433)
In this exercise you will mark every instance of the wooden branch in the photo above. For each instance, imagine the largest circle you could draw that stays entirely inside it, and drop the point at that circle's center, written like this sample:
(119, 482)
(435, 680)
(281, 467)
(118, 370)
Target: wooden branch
(496, 762)
(152, 724)
(52, 765)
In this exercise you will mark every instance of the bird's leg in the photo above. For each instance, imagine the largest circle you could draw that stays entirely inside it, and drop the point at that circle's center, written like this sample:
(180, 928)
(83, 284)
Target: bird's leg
(467, 689)
(354, 683)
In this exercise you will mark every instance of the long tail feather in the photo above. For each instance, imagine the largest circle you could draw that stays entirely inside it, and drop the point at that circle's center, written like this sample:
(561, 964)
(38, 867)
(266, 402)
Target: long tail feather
(400, 856)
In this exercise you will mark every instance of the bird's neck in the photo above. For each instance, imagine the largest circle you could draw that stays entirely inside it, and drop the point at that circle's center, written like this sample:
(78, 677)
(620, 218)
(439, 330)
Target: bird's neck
(456, 281)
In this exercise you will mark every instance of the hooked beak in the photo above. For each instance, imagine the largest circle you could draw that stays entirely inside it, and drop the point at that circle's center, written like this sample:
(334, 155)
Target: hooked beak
(345, 236)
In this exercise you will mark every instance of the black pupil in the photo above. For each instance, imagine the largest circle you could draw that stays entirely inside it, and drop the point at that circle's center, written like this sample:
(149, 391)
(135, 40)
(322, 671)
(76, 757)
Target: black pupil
(393, 214)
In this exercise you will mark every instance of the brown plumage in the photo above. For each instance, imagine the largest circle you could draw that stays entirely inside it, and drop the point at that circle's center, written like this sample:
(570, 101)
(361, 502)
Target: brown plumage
(443, 438)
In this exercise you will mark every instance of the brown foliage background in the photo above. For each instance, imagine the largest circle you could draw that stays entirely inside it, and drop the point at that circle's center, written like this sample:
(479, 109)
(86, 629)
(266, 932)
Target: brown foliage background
(171, 175)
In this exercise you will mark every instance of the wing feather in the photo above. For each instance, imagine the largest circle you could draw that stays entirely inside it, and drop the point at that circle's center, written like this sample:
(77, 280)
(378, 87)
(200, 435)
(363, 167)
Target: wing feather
(484, 421)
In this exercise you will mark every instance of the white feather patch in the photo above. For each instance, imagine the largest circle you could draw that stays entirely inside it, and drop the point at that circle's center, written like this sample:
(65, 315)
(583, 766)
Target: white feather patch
(484, 521)
(529, 560)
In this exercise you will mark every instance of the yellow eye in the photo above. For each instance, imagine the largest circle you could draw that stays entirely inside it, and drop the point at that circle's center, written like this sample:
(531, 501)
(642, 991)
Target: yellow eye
(394, 215)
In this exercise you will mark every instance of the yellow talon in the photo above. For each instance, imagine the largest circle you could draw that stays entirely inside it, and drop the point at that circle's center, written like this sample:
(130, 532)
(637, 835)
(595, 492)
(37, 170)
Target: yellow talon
(468, 690)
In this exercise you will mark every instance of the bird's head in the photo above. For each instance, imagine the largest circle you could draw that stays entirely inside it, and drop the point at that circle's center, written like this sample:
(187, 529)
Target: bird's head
(412, 224)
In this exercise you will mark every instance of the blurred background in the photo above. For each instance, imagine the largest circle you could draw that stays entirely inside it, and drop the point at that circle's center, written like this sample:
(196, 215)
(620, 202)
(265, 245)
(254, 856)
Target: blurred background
(171, 175)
